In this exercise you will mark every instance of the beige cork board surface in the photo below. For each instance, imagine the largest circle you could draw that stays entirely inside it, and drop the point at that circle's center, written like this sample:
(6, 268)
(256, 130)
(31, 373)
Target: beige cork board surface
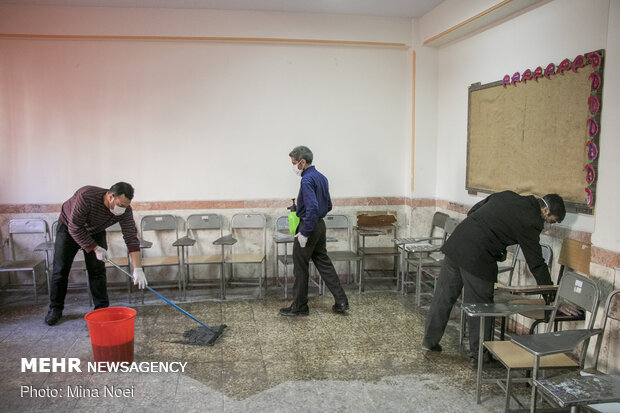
(532, 137)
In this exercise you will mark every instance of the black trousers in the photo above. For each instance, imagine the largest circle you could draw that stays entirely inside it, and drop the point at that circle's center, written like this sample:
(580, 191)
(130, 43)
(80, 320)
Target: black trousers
(65, 249)
(316, 250)
(452, 279)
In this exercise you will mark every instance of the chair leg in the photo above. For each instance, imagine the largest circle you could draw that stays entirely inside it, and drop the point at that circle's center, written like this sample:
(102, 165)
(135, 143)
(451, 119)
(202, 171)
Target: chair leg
(34, 285)
(285, 281)
(360, 289)
(47, 274)
(463, 327)
(534, 388)
(480, 360)
(508, 390)
(260, 282)
(348, 272)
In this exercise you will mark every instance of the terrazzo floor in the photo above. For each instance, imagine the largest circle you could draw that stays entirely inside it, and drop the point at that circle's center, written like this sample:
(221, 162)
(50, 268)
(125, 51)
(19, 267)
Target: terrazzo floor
(368, 360)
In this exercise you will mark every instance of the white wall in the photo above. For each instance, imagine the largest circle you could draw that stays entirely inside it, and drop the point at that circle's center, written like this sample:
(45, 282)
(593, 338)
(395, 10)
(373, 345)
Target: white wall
(186, 120)
(607, 229)
(425, 155)
(549, 33)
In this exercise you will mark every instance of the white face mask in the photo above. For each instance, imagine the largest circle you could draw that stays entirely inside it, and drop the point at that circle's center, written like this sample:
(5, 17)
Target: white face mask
(296, 170)
(118, 210)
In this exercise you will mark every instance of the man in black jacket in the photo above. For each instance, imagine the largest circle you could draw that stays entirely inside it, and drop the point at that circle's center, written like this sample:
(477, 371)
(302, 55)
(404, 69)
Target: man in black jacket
(474, 248)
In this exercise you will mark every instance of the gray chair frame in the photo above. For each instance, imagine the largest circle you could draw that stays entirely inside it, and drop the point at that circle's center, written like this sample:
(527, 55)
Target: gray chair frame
(201, 223)
(281, 230)
(248, 221)
(334, 224)
(155, 224)
(574, 290)
(426, 264)
(588, 392)
(31, 226)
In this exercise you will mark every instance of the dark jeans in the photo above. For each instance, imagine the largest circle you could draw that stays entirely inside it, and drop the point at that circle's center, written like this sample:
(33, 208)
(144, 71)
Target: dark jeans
(452, 279)
(65, 249)
(316, 250)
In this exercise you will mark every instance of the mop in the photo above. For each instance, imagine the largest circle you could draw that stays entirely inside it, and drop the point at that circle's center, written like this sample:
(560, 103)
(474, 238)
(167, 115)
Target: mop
(196, 336)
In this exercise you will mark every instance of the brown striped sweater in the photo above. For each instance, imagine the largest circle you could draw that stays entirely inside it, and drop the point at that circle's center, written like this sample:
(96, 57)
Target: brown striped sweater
(85, 214)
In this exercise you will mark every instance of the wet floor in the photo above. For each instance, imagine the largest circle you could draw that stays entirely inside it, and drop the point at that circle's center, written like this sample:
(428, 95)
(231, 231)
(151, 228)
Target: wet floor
(367, 360)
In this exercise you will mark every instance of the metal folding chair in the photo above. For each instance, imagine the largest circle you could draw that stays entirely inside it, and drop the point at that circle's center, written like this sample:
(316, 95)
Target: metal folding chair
(534, 352)
(19, 259)
(203, 229)
(251, 248)
(161, 228)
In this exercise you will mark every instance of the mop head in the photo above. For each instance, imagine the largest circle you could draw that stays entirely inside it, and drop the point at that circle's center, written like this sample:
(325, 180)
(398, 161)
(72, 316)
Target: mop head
(201, 336)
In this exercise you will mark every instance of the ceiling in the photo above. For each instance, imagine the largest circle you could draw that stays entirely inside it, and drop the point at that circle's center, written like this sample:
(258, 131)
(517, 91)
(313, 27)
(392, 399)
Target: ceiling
(387, 8)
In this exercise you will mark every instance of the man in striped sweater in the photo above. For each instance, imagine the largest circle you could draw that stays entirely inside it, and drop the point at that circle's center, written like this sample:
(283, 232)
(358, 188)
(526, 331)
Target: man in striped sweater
(83, 220)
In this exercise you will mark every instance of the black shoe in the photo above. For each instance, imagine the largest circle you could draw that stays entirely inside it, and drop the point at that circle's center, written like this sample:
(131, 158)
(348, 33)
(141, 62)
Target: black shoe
(437, 347)
(53, 316)
(293, 312)
(341, 308)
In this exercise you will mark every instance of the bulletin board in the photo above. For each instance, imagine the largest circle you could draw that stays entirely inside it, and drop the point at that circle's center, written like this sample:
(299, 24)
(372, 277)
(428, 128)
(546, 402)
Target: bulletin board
(537, 132)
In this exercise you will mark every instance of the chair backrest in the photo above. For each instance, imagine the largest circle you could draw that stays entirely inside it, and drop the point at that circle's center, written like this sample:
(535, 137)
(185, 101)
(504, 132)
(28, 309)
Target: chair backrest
(249, 221)
(547, 253)
(575, 255)
(54, 229)
(577, 290)
(517, 252)
(282, 224)
(32, 226)
(115, 242)
(449, 227)
(612, 311)
(439, 222)
(204, 221)
(240, 221)
(159, 223)
(29, 226)
(204, 228)
(339, 222)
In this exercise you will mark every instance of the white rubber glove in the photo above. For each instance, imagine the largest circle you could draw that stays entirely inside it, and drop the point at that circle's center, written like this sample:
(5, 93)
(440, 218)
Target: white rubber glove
(139, 278)
(302, 239)
(101, 253)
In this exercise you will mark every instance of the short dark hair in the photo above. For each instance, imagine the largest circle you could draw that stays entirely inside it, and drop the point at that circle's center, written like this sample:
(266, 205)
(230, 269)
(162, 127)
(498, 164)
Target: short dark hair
(122, 188)
(556, 206)
(302, 152)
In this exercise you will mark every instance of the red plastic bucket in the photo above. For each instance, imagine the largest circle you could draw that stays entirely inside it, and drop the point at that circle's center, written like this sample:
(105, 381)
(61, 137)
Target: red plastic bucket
(111, 332)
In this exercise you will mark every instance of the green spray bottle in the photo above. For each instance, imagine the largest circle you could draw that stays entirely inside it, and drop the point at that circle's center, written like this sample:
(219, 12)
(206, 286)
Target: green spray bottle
(293, 219)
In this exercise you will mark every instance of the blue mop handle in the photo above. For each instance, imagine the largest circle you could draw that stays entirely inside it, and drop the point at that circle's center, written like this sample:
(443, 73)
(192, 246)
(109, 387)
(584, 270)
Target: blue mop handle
(164, 298)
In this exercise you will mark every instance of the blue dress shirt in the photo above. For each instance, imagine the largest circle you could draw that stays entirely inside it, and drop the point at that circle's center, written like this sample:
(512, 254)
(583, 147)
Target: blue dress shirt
(313, 201)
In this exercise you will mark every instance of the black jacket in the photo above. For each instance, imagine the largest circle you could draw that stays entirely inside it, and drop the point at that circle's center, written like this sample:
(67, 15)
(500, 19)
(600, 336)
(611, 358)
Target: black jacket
(500, 220)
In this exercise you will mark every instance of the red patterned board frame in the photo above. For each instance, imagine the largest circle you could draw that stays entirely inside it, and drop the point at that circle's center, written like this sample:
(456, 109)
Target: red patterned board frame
(593, 131)
(594, 104)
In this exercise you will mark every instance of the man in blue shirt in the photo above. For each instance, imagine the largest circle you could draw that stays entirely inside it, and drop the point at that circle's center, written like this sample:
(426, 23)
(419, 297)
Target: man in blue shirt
(313, 203)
